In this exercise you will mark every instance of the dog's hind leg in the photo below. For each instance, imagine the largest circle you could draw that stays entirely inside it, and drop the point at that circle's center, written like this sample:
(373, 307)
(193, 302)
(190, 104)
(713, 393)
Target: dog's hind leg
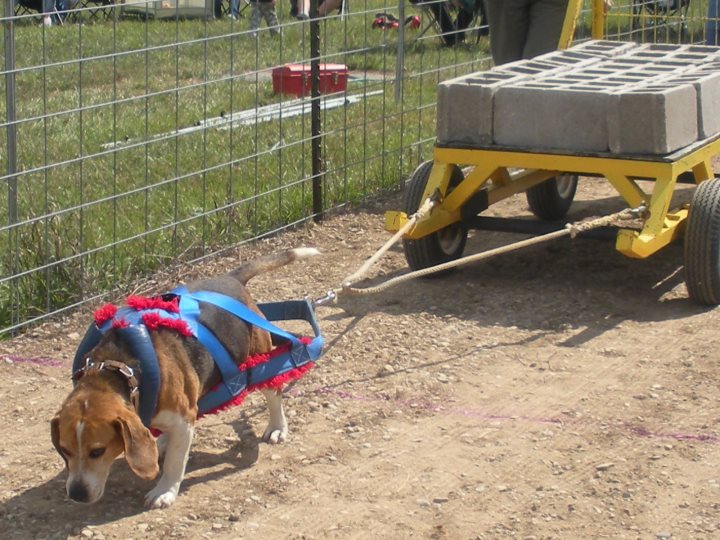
(179, 438)
(277, 430)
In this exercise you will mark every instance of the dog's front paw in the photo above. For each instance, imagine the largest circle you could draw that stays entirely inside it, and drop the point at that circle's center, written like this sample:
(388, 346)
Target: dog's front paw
(160, 498)
(275, 434)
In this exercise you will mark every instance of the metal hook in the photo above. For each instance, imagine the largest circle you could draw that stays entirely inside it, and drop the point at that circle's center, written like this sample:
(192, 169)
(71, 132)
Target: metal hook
(329, 298)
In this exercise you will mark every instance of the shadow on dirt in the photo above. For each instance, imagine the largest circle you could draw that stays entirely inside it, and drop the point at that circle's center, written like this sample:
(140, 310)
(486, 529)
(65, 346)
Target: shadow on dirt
(44, 511)
(582, 284)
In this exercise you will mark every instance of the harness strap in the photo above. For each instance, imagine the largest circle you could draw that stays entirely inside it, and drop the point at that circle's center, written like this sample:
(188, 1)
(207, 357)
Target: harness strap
(232, 306)
(138, 340)
(235, 380)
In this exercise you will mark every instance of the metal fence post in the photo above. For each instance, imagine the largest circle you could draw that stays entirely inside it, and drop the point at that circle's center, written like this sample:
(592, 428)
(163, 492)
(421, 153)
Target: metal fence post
(400, 63)
(318, 174)
(11, 128)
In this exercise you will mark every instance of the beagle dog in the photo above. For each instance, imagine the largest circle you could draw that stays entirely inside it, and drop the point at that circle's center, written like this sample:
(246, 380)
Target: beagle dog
(99, 421)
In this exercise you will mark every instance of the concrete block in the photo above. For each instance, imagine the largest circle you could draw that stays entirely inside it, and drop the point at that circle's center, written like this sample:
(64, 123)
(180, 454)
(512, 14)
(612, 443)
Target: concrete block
(673, 64)
(691, 57)
(712, 54)
(664, 47)
(707, 90)
(605, 49)
(545, 117)
(465, 107)
(652, 119)
(599, 95)
(534, 67)
(624, 63)
(570, 58)
(709, 50)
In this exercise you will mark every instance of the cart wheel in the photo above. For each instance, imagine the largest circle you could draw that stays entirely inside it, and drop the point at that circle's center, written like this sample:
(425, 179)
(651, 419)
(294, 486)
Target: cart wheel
(551, 199)
(439, 247)
(702, 244)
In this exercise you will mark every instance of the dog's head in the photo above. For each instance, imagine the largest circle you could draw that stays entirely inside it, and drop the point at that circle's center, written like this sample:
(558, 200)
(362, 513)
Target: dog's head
(92, 429)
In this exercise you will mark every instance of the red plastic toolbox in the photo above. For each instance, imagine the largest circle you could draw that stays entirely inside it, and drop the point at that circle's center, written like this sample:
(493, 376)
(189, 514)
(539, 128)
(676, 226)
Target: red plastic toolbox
(294, 79)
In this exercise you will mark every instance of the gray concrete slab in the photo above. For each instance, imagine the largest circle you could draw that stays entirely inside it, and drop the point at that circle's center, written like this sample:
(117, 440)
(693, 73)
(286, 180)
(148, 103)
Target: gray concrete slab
(465, 107)
(652, 120)
(707, 89)
(552, 116)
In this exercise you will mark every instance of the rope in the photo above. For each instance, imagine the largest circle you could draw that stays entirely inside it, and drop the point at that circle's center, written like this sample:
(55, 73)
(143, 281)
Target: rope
(571, 229)
(421, 212)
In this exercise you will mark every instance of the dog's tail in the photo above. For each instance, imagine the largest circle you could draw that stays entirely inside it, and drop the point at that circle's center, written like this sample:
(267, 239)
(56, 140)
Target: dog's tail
(270, 262)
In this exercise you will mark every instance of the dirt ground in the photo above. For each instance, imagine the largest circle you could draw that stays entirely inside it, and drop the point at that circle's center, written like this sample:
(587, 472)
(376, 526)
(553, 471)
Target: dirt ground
(560, 391)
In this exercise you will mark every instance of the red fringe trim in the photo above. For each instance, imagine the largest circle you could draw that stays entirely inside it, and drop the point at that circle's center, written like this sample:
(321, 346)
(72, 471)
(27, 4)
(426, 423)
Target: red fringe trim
(120, 323)
(104, 314)
(276, 382)
(153, 321)
(260, 358)
(279, 380)
(140, 303)
(237, 400)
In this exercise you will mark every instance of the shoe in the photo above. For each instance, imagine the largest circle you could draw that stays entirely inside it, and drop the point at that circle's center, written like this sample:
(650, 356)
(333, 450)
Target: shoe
(302, 17)
(234, 17)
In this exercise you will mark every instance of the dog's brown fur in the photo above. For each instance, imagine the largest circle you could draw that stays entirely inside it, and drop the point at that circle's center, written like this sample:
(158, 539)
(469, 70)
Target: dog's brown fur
(97, 422)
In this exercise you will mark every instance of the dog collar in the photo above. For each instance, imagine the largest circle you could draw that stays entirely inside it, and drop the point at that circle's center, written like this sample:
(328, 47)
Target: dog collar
(123, 369)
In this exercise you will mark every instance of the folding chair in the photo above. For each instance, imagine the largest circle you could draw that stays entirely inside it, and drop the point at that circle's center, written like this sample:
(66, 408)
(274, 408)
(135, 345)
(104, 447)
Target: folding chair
(96, 9)
(451, 20)
(26, 7)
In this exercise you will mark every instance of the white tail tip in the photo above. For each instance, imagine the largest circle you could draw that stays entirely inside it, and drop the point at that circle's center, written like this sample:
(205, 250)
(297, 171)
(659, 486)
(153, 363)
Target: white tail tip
(305, 252)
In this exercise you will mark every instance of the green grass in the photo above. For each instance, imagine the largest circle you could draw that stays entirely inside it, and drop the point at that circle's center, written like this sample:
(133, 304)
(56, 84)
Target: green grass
(90, 218)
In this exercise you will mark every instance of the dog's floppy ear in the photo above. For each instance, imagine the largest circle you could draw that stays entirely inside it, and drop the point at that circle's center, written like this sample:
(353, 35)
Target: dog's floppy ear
(140, 449)
(55, 436)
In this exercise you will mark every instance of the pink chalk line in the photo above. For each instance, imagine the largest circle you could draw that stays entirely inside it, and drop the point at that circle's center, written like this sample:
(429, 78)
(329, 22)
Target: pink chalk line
(38, 360)
(638, 431)
(425, 405)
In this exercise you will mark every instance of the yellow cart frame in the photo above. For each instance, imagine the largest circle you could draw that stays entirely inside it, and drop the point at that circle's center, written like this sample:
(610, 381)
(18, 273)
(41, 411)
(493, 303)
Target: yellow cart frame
(498, 173)
(494, 172)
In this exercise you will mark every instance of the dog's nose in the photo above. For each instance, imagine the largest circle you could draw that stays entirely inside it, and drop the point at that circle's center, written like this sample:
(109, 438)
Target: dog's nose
(78, 492)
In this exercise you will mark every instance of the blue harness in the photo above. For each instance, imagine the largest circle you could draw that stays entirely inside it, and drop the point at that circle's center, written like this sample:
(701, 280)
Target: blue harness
(234, 380)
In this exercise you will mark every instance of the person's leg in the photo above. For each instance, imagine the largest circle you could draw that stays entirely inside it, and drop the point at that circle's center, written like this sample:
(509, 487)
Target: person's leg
(509, 21)
(48, 9)
(303, 9)
(447, 25)
(328, 6)
(268, 11)
(255, 16)
(711, 25)
(235, 9)
(546, 22)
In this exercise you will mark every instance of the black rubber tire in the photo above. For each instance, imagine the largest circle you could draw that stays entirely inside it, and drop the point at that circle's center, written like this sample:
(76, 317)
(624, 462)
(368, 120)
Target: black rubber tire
(439, 247)
(702, 244)
(551, 199)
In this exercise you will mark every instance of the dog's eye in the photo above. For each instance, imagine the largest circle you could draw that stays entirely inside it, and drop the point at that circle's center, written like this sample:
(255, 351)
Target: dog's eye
(96, 452)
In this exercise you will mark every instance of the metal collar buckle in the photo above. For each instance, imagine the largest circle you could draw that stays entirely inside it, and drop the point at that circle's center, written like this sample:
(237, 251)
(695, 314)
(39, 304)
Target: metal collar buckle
(125, 370)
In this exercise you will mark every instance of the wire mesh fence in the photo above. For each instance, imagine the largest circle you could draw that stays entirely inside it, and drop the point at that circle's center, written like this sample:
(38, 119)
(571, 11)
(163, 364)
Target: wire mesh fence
(658, 21)
(147, 133)
(141, 134)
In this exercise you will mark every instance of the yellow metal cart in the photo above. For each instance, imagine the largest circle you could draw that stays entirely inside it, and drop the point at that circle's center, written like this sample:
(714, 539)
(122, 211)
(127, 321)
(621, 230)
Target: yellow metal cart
(549, 179)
